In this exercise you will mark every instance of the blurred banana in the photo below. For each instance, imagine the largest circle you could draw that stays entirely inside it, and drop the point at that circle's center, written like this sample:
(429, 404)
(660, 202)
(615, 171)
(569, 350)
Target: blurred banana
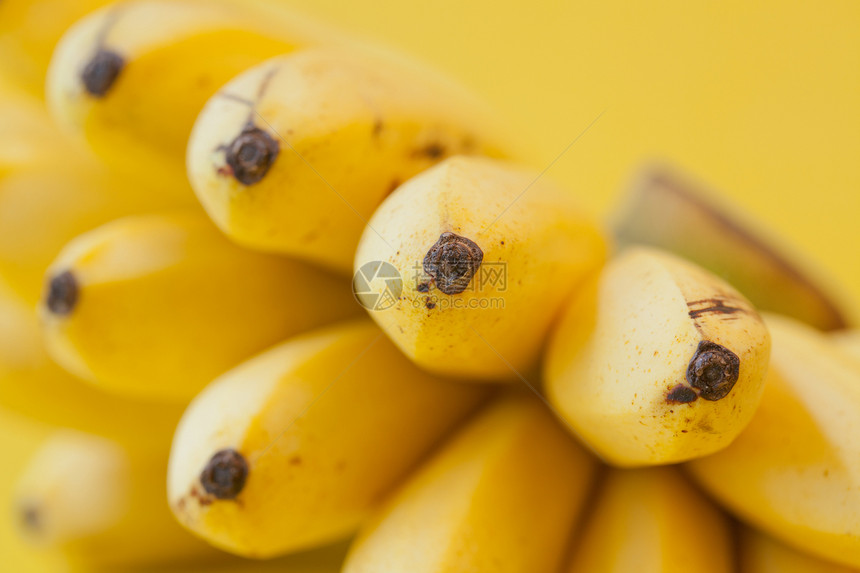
(503, 495)
(759, 553)
(295, 154)
(20, 438)
(293, 448)
(652, 521)
(32, 385)
(657, 361)
(52, 190)
(487, 254)
(132, 77)
(101, 503)
(29, 30)
(157, 306)
(795, 471)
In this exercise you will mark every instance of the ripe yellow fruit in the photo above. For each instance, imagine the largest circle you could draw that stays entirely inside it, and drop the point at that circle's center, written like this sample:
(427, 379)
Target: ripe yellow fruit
(503, 495)
(652, 521)
(657, 361)
(156, 306)
(132, 77)
(29, 30)
(33, 385)
(52, 190)
(795, 471)
(295, 154)
(295, 447)
(487, 252)
(102, 503)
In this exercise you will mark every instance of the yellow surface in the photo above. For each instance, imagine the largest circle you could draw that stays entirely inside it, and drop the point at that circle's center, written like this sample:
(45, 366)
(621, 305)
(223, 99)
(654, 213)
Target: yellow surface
(759, 99)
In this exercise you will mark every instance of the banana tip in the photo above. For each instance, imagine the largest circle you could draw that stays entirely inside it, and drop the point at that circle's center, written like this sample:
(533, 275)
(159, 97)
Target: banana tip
(225, 474)
(714, 370)
(63, 293)
(251, 154)
(452, 261)
(101, 72)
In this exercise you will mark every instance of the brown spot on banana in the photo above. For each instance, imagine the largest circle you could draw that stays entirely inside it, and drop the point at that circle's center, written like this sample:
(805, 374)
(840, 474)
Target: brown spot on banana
(713, 370)
(62, 294)
(681, 394)
(225, 474)
(452, 262)
(714, 305)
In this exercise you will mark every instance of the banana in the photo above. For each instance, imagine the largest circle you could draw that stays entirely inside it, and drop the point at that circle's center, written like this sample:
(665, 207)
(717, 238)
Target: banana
(486, 253)
(666, 209)
(795, 471)
(503, 495)
(101, 503)
(51, 191)
(657, 361)
(19, 439)
(132, 77)
(848, 341)
(43, 208)
(759, 553)
(29, 30)
(32, 385)
(652, 521)
(295, 154)
(293, 448)
(157, 306)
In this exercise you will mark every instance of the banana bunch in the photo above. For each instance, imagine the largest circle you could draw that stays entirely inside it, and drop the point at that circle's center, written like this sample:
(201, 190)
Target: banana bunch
(186, 188)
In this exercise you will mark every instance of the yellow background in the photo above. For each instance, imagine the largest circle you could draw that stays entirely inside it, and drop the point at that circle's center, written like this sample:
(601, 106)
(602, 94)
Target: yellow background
(761, 101)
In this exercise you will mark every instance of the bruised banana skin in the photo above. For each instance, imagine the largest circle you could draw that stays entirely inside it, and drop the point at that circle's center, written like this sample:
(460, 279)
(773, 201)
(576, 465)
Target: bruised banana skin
(657, 361)
(52, 190)
(132, 77)
(487, 254)
(668, 210)
(157, 306)
(502, 495)
(759, 553)
(295, 154)
(652, 521)
(795, 471)
(33, 385)
(27, 41)
(101, 504)
(294, 448)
